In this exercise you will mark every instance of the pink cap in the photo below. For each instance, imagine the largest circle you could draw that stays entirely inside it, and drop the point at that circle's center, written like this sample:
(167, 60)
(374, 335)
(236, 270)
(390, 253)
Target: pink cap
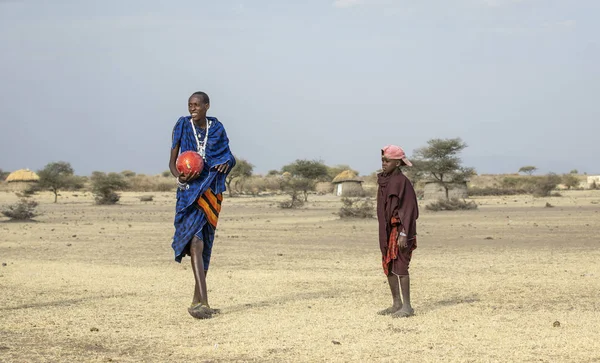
(394, 152)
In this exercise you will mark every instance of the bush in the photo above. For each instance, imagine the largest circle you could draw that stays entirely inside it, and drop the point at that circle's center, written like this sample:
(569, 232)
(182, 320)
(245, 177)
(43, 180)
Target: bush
(355, 193)
(357, 208)
(254, 185)
(450, 205)
(546, 184)
(292, 203)
(166, 174)
(165, 187)
(107, 198)
(104, 187)
(570, 181)
(490, 191)
(23, 210)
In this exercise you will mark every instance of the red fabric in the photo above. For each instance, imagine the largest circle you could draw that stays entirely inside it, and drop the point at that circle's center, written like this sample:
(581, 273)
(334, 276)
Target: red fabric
(397, 259)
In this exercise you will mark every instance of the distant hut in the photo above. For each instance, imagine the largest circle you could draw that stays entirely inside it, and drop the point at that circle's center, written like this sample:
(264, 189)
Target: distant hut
(593, 182)
(347, 183)
(435, 190)
(22, 179)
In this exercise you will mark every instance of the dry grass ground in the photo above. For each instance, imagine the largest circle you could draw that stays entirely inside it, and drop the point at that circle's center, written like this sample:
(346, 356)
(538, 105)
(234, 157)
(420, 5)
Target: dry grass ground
(93, 283)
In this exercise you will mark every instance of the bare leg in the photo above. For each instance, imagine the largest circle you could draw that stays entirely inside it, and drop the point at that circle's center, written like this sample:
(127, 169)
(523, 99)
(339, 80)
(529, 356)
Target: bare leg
(407, 309)
(200, 294)
(395, 290)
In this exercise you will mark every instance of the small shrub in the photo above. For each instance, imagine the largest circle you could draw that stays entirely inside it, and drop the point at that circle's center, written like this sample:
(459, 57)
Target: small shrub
(109, 197)
(292, 203)
(23, 210)
(146, 198)
(490, 191)
(254, 185)
(546, 184)
(450, 205)
(165, 187)
(166, 174)
(27, 192)
(570, 181)
(104, 187)
(357, 208)
(355, 193)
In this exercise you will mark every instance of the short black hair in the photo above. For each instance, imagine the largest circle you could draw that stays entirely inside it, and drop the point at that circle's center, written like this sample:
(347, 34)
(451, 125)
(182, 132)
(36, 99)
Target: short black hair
(203, 95)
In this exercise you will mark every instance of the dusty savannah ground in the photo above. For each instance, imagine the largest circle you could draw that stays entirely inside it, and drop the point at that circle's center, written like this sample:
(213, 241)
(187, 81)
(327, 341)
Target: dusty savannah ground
(98, 283)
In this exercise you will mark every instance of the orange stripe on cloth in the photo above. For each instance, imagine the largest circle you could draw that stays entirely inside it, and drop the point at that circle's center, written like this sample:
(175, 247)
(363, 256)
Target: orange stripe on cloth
(210, 203)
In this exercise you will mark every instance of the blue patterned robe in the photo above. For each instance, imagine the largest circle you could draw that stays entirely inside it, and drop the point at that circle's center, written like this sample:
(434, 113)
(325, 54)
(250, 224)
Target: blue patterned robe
(190, 220)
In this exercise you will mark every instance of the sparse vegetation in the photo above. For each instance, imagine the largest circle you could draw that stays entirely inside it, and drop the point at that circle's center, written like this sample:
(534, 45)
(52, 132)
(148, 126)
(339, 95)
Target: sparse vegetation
(545, 184)
(58, 176)
(570, 181)
(146, 183)
(240, 172)
(451, 205)
(304, 175)
(538, 186)
(491, 191)
(146, 198)
(529, 169)
(440, 161)
(105, 187)
(357, 208)
(294, 187)
(23, 210)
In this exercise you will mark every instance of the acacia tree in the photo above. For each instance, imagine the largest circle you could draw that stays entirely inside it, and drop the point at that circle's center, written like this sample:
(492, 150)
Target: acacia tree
(241, 171)
(440, 162)
(305, 174)
(528, 169)
(58, 176)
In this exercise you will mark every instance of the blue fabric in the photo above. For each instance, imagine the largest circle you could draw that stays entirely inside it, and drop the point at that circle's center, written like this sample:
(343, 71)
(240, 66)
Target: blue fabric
(191, 221)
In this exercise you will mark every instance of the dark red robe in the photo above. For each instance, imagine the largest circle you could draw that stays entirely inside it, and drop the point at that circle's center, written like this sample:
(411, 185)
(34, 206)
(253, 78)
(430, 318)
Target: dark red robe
(397, 210)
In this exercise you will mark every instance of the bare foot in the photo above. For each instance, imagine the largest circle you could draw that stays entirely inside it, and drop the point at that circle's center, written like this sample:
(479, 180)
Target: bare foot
(404, 313)
(389, 311)
(200, 311)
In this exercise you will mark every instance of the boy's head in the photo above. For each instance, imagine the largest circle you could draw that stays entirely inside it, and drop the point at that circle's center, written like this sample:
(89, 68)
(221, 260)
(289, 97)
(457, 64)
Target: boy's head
(393, 157)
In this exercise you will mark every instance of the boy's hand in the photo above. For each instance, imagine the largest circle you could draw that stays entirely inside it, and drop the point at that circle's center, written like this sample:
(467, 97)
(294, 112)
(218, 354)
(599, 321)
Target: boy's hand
(402, 241)
(183, 178)
(222, 168)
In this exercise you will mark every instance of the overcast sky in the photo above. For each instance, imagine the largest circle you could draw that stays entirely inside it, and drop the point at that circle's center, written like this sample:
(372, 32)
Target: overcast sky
(100, 84)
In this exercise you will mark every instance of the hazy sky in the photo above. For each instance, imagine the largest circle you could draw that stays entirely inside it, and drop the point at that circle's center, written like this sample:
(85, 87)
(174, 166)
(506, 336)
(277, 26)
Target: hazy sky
(100, 84)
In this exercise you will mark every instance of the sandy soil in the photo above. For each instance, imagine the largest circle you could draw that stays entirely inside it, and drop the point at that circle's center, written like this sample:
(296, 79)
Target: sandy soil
(94, 283)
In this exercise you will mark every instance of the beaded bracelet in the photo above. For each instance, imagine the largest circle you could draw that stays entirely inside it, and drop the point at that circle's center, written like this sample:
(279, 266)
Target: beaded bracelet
(182, 186)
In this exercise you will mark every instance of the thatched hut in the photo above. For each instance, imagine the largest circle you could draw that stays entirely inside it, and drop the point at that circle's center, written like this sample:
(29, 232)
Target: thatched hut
(435, 190)
(347, 183)
(22, 179)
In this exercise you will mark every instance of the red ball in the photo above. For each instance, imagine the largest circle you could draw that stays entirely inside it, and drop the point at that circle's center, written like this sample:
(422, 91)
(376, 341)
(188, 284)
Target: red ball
(189, 162)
